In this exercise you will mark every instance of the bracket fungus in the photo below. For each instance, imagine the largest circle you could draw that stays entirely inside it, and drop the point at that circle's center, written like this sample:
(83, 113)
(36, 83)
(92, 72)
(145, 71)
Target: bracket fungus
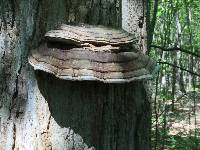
(91, 53)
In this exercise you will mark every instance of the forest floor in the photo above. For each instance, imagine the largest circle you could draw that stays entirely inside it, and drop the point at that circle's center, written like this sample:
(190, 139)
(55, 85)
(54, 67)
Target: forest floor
(185, 118)
(178, 128)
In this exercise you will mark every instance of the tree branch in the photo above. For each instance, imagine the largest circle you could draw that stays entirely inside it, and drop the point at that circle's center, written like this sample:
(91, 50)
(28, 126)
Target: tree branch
(191, 72)
(176, 49)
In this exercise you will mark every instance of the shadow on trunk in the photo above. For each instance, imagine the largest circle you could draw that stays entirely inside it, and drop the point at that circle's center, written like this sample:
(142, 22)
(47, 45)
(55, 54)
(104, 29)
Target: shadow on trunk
(106, 116)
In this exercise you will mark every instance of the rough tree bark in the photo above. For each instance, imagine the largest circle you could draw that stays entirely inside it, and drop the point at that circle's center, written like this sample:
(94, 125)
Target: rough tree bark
(48, 113)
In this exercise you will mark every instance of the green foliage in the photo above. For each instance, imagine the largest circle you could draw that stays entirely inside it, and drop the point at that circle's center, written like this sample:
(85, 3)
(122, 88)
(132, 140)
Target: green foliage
(165, 95)
(177, 25)
(184, 143)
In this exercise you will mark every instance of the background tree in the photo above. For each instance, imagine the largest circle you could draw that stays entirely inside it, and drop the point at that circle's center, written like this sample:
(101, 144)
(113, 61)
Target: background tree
(175, 46)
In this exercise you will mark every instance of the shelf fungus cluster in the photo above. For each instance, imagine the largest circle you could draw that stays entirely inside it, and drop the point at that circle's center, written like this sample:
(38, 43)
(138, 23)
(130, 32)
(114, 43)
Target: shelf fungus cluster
(91, 53)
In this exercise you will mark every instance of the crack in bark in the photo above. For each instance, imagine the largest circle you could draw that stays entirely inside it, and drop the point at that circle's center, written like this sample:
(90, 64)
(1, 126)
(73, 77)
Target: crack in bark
(137, 130)
(45, 137)
(3, 56)
(14, 137)
(73, 141)
(34, 32)
(49, 121)
(18, 113)
(13, 4)
(15, 94)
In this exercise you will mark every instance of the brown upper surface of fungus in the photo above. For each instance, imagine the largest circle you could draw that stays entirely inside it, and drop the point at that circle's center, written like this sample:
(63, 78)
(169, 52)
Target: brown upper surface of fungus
(91, 53)
(96, 35)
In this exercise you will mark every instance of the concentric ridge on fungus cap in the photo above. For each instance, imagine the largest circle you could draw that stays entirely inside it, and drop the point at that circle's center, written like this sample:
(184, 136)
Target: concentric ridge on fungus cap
(96, 35)
(91, 53)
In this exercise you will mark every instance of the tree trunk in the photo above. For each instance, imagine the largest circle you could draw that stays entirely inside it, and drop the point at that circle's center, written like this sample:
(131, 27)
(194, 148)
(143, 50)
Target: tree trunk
(48, 113)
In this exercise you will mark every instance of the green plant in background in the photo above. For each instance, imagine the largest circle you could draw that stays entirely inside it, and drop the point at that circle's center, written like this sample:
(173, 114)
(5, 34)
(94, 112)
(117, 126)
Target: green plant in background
(174, 41)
